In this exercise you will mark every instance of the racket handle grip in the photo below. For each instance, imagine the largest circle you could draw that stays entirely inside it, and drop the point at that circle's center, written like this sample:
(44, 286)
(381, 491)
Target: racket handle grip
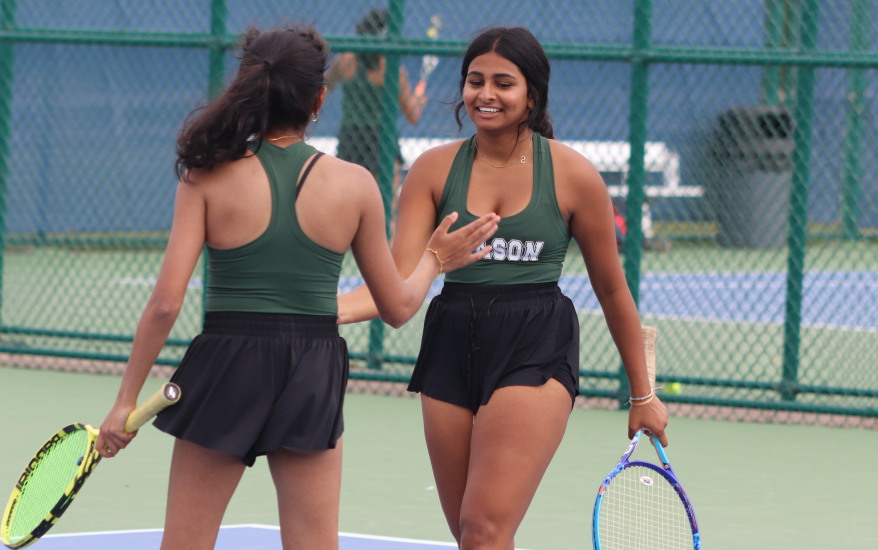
(165, 397)
(649, 337)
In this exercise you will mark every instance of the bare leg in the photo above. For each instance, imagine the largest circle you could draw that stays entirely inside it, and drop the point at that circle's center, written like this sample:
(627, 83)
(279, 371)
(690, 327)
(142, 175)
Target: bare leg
(308, 488)
(448, 429)
(201, 484)
(514, 438)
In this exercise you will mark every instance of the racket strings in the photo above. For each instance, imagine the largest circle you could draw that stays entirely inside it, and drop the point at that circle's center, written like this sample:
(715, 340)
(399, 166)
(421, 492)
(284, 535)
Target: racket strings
(46, 483)
(641, 510)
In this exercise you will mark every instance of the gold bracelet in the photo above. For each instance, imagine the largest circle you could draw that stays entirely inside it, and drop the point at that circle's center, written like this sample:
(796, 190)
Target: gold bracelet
(438, 259)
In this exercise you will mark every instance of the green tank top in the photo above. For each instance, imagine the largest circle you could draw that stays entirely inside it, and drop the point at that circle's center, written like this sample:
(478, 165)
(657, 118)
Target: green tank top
(282, 270)
(528, 247)
(361, 101)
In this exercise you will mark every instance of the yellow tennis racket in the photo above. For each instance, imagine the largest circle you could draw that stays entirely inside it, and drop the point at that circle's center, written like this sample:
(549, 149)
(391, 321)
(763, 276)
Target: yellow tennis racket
(58, 470)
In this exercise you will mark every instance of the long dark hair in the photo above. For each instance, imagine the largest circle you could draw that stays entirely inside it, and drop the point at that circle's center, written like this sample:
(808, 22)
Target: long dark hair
(520, 46)
(279, 78)
(373, 23)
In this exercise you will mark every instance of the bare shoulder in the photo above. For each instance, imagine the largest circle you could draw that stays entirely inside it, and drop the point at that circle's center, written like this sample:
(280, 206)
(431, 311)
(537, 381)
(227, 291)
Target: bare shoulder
(437, 159)
(223, 175)
(573, 169)
(578, 184)
(344, 176)
(429, 172)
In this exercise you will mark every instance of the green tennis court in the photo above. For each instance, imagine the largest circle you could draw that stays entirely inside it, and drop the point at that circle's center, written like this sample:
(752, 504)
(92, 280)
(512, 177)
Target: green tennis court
(753, 485)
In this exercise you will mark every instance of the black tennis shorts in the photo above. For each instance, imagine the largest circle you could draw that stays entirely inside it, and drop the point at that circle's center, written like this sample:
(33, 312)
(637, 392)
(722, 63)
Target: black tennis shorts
(256, 382)
(480, 338)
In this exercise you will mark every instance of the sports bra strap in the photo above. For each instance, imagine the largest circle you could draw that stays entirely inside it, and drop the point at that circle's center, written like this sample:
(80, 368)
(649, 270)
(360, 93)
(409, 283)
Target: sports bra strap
(307, 171)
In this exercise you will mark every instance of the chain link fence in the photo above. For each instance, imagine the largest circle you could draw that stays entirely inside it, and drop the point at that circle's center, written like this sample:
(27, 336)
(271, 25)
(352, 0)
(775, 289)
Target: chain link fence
(735, 137)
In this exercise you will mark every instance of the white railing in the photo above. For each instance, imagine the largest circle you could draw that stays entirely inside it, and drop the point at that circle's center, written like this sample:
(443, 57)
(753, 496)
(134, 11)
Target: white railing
(607, 156)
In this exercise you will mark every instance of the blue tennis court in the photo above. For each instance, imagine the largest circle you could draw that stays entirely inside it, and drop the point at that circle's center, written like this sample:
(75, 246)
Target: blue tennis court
(830, 299)
(231, 537)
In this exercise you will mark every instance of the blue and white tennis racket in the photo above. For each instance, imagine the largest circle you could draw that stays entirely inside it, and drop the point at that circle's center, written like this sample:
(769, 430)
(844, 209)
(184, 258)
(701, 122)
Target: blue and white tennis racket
(641, 505)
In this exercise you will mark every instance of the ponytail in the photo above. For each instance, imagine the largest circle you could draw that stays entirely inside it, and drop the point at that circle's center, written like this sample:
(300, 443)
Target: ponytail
(279, 77)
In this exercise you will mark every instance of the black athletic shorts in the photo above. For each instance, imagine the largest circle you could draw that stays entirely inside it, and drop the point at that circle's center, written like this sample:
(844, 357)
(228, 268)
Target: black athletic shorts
(480, 338)
(256, 382)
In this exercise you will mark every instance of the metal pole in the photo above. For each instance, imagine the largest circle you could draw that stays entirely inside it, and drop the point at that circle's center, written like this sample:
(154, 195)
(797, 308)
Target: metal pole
(853, 149)
(798, 229)
(388, 156)
(216, 71)
(637, 124)
(219, 14)
(774, 40)
(7, 22)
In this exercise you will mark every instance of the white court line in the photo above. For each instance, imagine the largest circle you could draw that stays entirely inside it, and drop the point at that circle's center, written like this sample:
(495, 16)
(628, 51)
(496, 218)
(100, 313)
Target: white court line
(257, 526)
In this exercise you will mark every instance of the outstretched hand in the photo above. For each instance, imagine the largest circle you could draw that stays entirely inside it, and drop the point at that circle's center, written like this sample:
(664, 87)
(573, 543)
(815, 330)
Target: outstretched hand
(651, 417)
(461, 247)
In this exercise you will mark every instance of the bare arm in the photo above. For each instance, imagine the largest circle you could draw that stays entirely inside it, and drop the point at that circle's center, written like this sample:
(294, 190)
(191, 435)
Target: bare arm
(415, 225)
(184, 248)
(411, 102)
(342, 69)
(585, 198)
(397, 287)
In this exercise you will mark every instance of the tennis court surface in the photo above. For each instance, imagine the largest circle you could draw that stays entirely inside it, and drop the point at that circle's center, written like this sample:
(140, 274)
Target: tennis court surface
(231, 537)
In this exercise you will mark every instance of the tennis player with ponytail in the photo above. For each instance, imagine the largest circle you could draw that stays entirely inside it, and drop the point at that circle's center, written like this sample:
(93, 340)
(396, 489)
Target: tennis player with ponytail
(499, 363)
(267, 374)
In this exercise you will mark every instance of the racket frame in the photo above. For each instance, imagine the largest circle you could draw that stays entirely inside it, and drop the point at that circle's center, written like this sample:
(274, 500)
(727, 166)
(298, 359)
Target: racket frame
(664, 470)
(430, 62)
(649, 334)
(89, 461)
(166, 396)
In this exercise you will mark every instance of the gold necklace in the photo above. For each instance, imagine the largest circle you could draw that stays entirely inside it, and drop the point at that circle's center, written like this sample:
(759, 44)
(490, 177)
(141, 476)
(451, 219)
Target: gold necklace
(283, 137)
(522, 160)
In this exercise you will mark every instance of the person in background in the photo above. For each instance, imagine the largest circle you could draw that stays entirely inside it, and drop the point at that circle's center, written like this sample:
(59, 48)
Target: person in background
(268, 373)
(362, 76)
(498, 367)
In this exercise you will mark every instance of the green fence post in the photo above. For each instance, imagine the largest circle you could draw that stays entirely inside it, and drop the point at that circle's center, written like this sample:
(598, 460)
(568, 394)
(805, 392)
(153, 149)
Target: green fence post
(637, 128)
(219, 13)
(216, 72)
(387, 159)
(7, 22)
(774, 39)
(851, 171)
(798, 228)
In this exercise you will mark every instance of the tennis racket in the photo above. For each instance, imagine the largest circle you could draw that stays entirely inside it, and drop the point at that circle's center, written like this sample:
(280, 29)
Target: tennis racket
(641, 505)
(429, 62)
(57, 472)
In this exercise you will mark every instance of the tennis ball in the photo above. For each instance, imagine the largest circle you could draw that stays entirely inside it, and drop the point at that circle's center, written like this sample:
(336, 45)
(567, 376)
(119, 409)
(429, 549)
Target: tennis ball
(673, 388)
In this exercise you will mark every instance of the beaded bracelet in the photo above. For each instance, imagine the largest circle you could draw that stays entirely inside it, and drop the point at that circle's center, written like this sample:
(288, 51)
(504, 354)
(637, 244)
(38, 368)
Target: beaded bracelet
(441, 263)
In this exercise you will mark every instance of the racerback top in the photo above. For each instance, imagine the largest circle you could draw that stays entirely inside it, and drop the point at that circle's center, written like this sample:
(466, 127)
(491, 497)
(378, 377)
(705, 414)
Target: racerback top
(282, 270)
